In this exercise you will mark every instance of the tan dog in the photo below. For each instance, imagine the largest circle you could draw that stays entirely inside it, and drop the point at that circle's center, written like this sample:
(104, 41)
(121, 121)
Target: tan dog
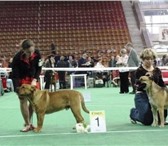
(45, 102)
(158, 98)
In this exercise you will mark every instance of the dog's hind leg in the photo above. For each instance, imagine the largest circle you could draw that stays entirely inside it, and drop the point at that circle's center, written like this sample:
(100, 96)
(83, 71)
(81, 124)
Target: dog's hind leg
(161, 115)
(40, 119)
(155, 116)
(77, 114)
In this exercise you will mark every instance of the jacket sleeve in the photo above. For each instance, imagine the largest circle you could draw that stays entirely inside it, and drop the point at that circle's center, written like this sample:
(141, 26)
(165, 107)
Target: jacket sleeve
(139, 72)
(158, 77)
(15, 72)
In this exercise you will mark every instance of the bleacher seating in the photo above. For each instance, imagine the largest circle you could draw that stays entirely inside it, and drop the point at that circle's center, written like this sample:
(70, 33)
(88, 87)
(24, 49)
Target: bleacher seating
(89, 25)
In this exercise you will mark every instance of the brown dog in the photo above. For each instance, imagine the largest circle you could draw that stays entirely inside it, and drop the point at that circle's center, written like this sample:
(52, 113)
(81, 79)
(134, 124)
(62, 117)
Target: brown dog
(45, 102)
(158, 98)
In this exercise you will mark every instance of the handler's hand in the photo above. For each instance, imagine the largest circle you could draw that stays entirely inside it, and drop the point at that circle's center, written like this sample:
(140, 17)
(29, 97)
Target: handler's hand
(33, 83)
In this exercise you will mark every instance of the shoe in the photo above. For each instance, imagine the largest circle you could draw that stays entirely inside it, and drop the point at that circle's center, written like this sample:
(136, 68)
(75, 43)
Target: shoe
(133, 121)
(121, 92)
(27, 128)
(165, 123)
(133, 92)
(7, 90)
(114, 84)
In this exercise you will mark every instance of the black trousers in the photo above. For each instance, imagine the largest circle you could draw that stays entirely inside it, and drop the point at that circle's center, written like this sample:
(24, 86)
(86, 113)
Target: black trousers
(132, 76)
(124, 82)
(62, 81)
(47, 79)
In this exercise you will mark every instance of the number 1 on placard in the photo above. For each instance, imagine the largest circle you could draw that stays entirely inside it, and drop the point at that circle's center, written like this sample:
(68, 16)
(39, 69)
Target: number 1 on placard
(97, 121)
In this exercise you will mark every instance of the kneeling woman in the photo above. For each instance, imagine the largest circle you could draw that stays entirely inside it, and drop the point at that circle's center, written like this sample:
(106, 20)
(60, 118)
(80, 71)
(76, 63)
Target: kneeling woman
(142, 112)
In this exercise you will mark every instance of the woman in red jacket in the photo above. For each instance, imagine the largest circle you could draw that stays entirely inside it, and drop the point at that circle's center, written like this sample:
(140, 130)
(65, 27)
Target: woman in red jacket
(26, 69)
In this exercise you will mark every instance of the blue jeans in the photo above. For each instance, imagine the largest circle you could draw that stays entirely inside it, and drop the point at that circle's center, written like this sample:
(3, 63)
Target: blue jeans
(142, 111)
(1, 88)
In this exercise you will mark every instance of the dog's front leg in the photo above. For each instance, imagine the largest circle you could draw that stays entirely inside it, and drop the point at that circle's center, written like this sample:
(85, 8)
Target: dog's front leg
(161, 115)
(40, 119)
(155, 116)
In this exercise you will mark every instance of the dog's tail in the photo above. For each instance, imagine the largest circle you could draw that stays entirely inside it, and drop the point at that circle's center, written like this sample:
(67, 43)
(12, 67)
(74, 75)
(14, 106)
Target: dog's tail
(83, 104)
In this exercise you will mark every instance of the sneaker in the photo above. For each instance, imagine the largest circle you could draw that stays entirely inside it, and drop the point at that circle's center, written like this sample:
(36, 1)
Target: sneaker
(27, 128)
(165, 123)
(114, 84)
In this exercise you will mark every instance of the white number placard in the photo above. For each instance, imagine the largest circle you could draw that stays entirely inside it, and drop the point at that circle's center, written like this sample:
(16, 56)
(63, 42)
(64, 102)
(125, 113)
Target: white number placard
(97, 121)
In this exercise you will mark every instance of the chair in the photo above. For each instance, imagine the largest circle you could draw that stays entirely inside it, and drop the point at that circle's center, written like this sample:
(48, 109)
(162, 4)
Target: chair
(104, 76)
(6, 82)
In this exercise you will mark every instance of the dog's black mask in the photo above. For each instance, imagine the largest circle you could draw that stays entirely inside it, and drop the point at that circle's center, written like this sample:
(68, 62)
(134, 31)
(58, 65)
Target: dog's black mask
(140, 85)
(150, 77)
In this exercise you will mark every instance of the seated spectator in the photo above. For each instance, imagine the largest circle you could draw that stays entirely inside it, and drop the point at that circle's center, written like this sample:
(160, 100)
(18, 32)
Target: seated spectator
(82, 62)
(72, 63)
(90, 63)
(104, 75)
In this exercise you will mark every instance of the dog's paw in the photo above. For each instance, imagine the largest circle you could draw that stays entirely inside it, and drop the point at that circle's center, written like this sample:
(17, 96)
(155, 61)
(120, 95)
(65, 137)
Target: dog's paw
(37, 130)
(161, 125)
(87, 129)
(81, 128)
(154, 124)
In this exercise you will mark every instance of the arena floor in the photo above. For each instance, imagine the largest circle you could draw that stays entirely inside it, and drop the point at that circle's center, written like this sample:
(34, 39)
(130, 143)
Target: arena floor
(57, 129)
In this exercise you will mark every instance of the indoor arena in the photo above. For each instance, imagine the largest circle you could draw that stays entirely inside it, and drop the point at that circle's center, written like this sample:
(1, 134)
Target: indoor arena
(84, 73)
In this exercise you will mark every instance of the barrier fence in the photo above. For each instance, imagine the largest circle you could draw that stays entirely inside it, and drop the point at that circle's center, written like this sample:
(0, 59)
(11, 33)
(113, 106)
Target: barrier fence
(86, 68)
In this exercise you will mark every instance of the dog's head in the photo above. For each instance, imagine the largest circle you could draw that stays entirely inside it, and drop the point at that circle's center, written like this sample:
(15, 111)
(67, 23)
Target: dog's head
(25, 90)
(147, 80)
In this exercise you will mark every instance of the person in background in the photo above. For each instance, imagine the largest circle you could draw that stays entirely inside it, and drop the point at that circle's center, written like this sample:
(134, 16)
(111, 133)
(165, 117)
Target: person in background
(61, 74)
(164, 60)
(26, 69)
(4, 62)
(133, 61)
(72, 63)
(123, 73)
(142, 112)
(101, 74)
(90, 63)
(82, 62)
(49, 63)
(112, 63)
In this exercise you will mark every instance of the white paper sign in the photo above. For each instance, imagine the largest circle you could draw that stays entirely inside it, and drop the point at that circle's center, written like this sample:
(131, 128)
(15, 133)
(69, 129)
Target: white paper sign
(97, 121)
(87, 96)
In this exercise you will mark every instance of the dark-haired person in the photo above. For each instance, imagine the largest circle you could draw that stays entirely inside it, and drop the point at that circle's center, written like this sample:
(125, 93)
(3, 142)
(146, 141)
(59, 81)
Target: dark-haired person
(49, 63)
(133, 61)
(123, 73)
(61, 74)
(26, 69)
